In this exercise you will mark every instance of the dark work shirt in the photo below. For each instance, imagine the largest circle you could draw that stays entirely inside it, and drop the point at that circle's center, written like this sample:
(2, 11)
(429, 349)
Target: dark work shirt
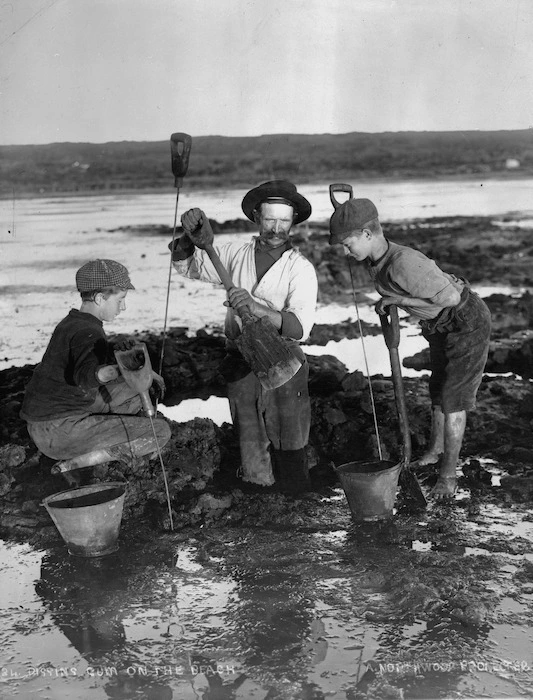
(65, 382)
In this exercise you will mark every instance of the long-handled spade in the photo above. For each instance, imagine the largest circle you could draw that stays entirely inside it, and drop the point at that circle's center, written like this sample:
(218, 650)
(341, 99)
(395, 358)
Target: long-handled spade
(391, 333)
(180, 150)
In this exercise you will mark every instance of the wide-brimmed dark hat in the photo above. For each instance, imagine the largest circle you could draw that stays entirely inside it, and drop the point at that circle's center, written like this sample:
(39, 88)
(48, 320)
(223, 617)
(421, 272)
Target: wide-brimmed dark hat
(277, 189)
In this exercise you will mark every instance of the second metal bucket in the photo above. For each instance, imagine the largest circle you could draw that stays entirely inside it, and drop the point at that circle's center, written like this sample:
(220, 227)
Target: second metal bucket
(370, 488)
(88, 518)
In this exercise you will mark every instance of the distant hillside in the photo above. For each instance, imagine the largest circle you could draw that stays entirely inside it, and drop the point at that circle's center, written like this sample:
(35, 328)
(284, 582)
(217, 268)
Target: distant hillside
(218, 161)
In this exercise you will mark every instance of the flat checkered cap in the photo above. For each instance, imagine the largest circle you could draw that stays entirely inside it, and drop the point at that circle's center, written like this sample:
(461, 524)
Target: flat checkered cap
(98, 274)
(350, 216)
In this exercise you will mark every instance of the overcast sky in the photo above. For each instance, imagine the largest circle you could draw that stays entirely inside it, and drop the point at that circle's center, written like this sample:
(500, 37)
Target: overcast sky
(113, 70)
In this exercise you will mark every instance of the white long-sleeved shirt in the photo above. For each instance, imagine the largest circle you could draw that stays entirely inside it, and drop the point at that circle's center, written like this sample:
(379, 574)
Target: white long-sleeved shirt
(289, 285)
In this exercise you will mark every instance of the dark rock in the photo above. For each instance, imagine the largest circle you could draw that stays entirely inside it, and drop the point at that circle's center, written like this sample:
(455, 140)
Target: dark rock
(323, 333)
(526, 405)
(420, 361)
(212, 506)
(5, 483)
(512, 354)
(11, 456)
(325, 374)
(201, 458)
(354, 382)
(510, 313)
(474, 472)
(519, 487)
(472, 614)
(521, 454)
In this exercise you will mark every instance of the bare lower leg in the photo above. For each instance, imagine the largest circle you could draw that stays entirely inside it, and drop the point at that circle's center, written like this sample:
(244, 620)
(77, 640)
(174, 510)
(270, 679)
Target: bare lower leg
(454, 429)
(436, 438)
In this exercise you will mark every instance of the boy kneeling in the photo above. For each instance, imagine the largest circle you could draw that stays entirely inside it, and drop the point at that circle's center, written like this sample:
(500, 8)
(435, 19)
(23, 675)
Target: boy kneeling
(77, 405)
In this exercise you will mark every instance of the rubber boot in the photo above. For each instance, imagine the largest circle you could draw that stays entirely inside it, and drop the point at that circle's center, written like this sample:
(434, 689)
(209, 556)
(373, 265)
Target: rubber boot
(292, 471)
(89, 459)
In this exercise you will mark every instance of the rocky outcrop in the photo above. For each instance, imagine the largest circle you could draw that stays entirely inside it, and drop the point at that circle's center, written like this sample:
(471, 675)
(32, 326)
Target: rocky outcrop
(202, 458)
(506, 354)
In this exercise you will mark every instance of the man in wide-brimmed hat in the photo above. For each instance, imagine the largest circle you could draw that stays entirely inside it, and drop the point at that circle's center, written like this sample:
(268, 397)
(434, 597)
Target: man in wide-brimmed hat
(272, 279)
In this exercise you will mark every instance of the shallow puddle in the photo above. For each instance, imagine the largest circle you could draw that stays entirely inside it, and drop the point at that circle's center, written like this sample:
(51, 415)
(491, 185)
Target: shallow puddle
(332, 609)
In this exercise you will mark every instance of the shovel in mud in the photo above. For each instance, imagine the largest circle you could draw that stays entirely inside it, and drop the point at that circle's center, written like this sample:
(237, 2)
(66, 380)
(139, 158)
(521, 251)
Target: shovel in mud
(408, 481)
(267, 353)
(371, 486)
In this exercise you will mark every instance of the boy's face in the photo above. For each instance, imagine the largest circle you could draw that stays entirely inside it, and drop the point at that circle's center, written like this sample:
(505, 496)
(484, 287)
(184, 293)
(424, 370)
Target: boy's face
(110, 308)
(358, 244)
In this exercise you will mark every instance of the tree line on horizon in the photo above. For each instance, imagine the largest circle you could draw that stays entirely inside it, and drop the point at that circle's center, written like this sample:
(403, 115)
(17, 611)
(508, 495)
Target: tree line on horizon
(219, 161)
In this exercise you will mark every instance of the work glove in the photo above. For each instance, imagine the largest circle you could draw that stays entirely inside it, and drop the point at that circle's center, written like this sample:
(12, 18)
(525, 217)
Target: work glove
(158, 387)
(196, 225)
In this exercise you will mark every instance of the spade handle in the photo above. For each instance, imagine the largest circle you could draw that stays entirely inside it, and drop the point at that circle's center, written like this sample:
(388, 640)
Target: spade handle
(339, 187)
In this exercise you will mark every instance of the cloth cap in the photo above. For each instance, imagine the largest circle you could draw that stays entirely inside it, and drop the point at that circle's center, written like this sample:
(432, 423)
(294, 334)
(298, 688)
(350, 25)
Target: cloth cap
(99, 274)
(277, 189)
(351, 215)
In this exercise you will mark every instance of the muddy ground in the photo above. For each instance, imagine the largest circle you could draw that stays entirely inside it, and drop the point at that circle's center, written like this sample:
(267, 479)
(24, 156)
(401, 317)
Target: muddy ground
(445, 570)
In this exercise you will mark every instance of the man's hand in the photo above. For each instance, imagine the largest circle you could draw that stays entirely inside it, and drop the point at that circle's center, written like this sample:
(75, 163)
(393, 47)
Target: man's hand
(158, 385)
(196, 225)
(240, 299)
(124, 343)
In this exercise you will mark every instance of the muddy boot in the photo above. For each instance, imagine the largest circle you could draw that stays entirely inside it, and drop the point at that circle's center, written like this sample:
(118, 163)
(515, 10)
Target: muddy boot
(76, 471)
(89, 459)
(292, 472)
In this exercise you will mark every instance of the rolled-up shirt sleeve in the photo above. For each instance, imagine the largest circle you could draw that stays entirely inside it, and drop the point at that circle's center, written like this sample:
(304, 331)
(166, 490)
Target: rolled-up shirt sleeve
(291, 326)
(302, 297)
(198, 266)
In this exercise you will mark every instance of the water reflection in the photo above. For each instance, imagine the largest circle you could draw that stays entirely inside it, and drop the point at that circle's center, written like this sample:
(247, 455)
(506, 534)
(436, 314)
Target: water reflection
(278, 613)
(214, 687)
(85, 598)
(276, 621)
(68, 586)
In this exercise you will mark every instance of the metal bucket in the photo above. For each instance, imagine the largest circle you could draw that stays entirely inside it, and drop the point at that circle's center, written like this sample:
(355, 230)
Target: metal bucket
(370, 488)
(88, 518)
